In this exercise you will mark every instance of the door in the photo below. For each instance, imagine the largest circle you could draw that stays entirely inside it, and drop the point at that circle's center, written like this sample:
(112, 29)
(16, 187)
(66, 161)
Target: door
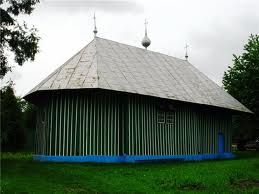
(221, 144)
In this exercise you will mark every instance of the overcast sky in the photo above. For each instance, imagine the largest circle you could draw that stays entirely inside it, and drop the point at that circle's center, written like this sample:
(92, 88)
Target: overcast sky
(214, 30)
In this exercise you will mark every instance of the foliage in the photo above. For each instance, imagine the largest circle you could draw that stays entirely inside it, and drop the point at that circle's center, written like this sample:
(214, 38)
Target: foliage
(15, 37)
(18, 120)
(242, 81)
(21, 174)
(12, 130)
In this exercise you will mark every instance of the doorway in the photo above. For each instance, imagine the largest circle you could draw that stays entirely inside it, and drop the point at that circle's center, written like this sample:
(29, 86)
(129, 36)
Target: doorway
(221, 143)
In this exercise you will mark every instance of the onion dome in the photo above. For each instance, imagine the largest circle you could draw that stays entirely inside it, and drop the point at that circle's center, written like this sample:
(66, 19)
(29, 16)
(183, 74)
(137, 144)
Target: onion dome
(145, 41)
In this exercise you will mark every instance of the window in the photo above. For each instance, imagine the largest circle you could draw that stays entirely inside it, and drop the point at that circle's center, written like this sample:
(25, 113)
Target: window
(165, 117)
(170, 117)
(161, 116)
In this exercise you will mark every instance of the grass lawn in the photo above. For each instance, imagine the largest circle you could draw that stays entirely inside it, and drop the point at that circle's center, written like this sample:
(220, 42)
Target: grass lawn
(21, 174)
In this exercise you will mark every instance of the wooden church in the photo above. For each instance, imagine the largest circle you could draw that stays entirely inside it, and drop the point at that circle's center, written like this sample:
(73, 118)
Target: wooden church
(112, 102)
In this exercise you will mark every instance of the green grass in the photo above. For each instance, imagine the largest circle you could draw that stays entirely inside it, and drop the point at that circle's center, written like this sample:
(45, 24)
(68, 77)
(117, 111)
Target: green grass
(21, 174)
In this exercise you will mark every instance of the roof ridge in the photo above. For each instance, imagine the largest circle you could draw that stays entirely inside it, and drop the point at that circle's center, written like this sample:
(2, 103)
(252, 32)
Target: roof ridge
(82, 51)
(141, 48)
(56, 70)
(96, 55)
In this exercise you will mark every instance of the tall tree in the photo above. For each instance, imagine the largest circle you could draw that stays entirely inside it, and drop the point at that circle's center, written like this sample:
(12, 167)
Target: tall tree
(13, 135)
(15, 37)
(242, 81)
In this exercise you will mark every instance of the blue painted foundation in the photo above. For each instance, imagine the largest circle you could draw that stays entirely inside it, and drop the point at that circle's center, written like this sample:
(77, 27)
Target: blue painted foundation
(132, 159)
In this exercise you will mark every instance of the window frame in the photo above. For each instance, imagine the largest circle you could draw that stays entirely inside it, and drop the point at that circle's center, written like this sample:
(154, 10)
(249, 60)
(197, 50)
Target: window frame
(170, 121)
(158, 116)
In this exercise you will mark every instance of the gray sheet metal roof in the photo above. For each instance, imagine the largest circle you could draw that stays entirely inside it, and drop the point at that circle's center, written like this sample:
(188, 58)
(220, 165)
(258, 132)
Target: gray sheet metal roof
(111, 65)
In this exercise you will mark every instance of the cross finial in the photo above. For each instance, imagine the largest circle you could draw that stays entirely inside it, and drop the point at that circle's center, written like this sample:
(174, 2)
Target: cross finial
(95, 29)
(186, 52)
(146, 27)
(145, 41)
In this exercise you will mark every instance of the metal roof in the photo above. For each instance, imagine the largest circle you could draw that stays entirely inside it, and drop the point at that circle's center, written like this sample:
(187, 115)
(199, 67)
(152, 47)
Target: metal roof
(115, 66)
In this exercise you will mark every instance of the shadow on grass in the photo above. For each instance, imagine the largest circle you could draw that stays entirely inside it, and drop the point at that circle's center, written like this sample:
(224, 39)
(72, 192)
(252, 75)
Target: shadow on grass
(186, 185)
(246, 154)
(244, 183)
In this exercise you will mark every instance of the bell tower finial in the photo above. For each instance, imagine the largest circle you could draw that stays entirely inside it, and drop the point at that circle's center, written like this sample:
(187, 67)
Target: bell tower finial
(146, 41)
(95, 29)
(145, 27)
(186, 52)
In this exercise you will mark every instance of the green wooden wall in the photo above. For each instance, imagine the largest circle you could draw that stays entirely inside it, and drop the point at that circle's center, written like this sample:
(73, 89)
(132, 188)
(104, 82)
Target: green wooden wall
(192, 132)
(107, 123)
(76, 123)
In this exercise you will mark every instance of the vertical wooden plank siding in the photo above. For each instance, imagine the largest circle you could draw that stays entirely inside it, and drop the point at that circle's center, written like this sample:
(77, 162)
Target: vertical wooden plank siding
(76, 123)
(104, 123)
(193, 132)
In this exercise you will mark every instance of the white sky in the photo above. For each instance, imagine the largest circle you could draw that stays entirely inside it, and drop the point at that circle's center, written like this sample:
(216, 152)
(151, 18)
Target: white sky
(214, 29)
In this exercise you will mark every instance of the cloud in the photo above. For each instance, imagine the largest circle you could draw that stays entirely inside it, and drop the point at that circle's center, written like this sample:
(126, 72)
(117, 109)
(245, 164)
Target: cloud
(114, 6)
(224, 35)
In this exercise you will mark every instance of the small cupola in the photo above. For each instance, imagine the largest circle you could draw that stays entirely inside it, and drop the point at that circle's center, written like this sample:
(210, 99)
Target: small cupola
(145, 41)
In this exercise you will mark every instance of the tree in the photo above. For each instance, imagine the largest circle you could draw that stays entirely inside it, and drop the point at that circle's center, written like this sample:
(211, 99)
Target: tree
(16, 38)
(18, 121)
(13, 135)
(242, 81)
(29, 123)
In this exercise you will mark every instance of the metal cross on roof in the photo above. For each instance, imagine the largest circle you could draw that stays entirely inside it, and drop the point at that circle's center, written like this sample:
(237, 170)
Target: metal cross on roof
(146, 26)
(186, 51)
(95, 29)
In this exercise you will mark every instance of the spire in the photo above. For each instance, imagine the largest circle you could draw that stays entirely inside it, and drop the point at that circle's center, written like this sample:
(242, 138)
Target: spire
(146, 41)
(95, 29)
(145, 27)
(186, 52)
